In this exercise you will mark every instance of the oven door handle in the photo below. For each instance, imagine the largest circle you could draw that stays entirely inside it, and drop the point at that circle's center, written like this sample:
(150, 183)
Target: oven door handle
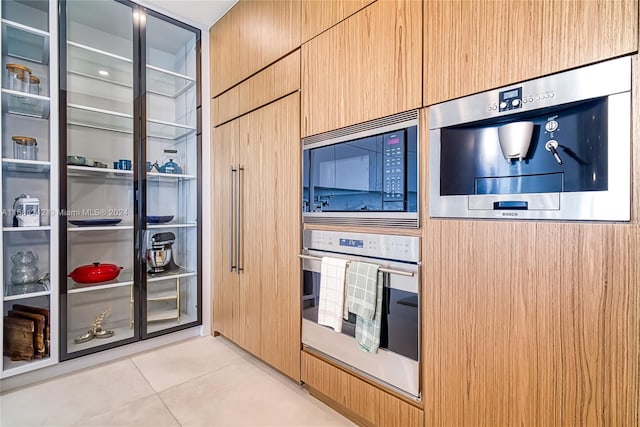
(382, 269)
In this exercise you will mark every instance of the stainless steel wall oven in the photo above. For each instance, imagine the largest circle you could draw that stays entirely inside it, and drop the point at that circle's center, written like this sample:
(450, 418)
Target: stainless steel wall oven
(396, 364)
(557, 147)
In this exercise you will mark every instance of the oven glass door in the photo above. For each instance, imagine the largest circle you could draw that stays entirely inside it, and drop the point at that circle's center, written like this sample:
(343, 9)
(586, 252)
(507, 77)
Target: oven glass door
(400, 309)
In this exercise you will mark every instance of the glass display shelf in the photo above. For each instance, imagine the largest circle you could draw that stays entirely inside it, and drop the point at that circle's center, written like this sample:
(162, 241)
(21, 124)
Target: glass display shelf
(185, 318)
(180, 272)
(167, 130)
(20, 165)
(25, 104)
(15, 367)
(88, 171)
(169, 176)
(25, 229)
(167, 83)
(15, 292)
(24, 42)
(76, 288)
(163, 315)
(96, 118)
(97, 64)
(166, 295)
(75, 228)
(121, 333)
(113, 121)
(158, 226)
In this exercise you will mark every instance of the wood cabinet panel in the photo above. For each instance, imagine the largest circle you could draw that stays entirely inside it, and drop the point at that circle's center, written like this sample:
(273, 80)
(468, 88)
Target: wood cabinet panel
(253, 232)
(252, 35)
(366, 67)
(317, 16)
(531, 323)
(276, 81)
(226, 283)
(259, 309)
(581, 32)
(494, 43)
(275, 127)
(357, 399)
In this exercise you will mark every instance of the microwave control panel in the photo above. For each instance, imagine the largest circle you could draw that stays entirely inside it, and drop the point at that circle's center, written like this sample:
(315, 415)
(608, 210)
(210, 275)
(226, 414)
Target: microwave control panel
(393, 163)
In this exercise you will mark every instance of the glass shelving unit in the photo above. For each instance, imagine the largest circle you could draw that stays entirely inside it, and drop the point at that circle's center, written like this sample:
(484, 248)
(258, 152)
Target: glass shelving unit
(27, 30)
(110, 82)
(98, 75)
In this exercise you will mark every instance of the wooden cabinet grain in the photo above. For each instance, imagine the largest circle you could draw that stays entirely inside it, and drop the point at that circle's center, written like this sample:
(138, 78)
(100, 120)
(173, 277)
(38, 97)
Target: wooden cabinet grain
(531, 323)
(357, 399)
(226, 286)
(474, 46)
(252, 35)
(275, 81)
(368, 66)
(259, 309)
(317, 16)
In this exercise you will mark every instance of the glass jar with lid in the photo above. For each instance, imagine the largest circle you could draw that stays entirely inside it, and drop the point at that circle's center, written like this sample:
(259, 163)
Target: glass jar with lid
(17, 77)
(34, 85)
(24, 147)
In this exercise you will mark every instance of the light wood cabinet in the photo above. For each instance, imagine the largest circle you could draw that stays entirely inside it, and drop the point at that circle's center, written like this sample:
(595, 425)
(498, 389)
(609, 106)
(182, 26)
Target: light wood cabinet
(259, 308)
(531, 323)
(252, 35)
(275, 81)
(317, 16)
(355, 398)
(366, 67)
(471, 46)
(226, 298)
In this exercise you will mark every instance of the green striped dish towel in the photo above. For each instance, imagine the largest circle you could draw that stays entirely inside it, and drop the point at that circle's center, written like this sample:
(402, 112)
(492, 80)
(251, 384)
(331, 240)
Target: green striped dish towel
(364, 296)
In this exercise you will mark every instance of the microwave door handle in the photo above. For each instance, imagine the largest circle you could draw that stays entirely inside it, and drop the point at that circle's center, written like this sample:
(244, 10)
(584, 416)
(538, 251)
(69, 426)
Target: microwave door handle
(232, 266)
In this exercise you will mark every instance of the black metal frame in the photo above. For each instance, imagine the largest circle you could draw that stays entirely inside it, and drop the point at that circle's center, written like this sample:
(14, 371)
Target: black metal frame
(139, 180)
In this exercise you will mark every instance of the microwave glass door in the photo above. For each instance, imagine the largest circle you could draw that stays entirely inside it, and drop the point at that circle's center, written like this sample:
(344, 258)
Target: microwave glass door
(372, 174)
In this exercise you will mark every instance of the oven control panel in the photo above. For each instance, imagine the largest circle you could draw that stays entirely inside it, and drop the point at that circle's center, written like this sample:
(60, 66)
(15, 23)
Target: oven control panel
(393, 247)
(393, 163)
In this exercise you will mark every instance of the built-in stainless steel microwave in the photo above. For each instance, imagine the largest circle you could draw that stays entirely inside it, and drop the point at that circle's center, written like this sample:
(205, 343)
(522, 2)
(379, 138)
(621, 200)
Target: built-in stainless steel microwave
(365, 175)
(556, 148)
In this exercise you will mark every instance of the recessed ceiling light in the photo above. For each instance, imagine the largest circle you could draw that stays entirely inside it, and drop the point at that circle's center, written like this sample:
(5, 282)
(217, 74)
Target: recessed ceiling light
(103, 73)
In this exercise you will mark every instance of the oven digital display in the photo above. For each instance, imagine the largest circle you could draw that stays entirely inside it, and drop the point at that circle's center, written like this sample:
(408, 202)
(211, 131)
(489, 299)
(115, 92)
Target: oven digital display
(352, 243)
(511, 94)
(393, 140)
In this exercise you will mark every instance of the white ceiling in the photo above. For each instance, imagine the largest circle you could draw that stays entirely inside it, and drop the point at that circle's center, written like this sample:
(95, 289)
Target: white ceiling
(199, 13)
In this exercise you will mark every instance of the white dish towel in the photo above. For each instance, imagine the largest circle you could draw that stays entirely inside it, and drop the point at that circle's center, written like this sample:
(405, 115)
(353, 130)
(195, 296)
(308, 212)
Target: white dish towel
(330, 308)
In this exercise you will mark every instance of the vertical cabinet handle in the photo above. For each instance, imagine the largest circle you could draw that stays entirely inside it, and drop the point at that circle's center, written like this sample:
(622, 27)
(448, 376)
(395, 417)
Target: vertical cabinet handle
(232, 170)
(238, 222)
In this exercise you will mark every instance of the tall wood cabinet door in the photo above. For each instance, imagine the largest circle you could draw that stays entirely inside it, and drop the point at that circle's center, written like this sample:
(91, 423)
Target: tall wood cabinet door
(252, 35)
(472, 46)
(366, 67)
(252, 233)
(225, 282)
(276, 127)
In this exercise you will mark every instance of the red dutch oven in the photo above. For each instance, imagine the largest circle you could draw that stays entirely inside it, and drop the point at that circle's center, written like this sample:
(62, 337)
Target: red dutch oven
(95, 273)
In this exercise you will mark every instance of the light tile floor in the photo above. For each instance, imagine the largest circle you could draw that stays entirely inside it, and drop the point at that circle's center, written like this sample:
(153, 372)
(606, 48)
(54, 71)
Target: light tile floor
(199, 382)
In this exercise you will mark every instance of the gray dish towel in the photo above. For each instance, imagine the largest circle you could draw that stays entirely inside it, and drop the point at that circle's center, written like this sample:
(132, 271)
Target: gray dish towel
(364, 296)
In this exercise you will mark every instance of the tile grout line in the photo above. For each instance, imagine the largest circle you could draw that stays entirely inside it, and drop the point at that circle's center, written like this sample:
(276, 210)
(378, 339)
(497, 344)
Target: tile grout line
(157, 393)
